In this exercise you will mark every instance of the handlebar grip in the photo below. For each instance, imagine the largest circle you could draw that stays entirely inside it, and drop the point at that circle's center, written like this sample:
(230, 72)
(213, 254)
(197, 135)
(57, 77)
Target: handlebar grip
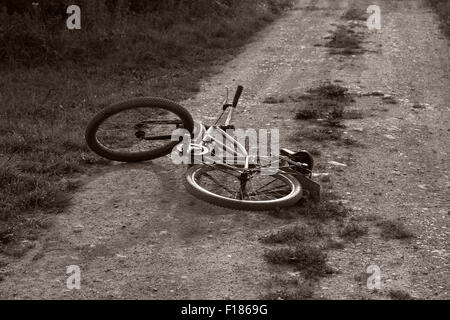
(237, 96)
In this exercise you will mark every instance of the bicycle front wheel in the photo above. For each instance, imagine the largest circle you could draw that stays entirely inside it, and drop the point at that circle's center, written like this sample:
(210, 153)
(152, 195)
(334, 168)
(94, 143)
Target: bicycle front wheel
(137, 130)
(232, 187)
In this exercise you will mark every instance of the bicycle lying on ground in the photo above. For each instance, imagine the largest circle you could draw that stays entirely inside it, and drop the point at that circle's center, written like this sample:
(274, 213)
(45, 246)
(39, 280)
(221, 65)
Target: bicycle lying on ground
(143, 129)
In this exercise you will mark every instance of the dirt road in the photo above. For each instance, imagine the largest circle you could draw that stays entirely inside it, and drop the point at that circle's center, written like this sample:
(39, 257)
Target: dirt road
(135, 232)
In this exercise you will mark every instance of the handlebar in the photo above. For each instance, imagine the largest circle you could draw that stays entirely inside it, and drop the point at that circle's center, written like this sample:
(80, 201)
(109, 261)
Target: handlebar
(237, 95)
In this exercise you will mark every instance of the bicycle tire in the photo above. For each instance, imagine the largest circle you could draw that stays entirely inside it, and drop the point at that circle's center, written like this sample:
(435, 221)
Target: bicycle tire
(148, 102)
(199, 192)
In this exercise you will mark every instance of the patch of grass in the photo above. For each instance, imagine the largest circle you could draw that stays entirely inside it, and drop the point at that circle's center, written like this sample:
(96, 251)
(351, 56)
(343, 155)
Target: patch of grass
(351, 142)
(344, 40)
(442, 8)
(355, 13)
(324, 210)
(321, 134)
(307, 259)
(336, 245)
(362, 278)
(325, 109)
(399, 295)
(292, 234)
(18, 251)
(353, 230)
(307, 248)
(326, 101)
(307, 114)
(394, 230)
(158, 34)
(274, 99)
(25, 190)
(329, 90)
(352, 114)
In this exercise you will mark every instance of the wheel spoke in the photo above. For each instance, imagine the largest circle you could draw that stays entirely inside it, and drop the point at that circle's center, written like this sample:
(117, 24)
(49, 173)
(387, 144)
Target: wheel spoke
(223, 170)
(118, 132)
(245, 187)
(218, 183)
(266, 185)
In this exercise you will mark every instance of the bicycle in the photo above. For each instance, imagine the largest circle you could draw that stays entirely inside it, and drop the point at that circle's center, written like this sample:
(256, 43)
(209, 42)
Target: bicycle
(142, 129)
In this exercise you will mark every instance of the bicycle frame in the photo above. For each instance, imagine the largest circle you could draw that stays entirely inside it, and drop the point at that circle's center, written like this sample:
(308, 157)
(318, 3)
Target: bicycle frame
(208, 136)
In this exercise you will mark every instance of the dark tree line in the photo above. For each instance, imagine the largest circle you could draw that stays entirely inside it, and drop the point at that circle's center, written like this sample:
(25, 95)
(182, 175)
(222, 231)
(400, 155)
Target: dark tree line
(58, 7)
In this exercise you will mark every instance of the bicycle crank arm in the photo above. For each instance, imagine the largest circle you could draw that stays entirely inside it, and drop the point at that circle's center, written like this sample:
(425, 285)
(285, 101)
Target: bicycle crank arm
(312, 188)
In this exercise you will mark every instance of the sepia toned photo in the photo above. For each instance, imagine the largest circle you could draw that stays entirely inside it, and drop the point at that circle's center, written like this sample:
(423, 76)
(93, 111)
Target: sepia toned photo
(212, 151)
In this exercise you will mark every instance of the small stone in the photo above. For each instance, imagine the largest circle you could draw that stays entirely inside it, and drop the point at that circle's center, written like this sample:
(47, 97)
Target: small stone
(78, 228)
(338, 164)
(320, 174)
(163, 232)
(419, 106)
(389, 99)
(376, 93)
(439, 252)
(389, 136)
(293, 274)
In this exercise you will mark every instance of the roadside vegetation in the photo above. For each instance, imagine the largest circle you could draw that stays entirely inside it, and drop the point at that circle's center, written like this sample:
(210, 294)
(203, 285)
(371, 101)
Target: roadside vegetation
(442, 8)
(399, 295)
(356, 13)
(323, 108)
(346, 41)
(53, 80)
(298, 247)
(394, 229)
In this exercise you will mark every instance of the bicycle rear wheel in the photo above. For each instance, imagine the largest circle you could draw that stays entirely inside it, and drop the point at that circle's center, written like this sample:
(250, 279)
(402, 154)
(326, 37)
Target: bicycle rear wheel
(137, 130)
(234, 188)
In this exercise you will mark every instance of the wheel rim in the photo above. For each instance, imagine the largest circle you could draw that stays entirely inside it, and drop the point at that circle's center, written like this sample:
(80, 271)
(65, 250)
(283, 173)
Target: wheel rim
(225, 183)
(137, 130)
